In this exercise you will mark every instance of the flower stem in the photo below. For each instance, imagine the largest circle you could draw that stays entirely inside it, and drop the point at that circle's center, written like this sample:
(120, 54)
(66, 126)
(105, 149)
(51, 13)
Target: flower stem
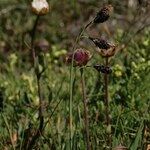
(86, 119)
(71, 81)
(70, 106)
(33, 38)
(38, 77)
(107, 100)
(106, 93)
(80, 34)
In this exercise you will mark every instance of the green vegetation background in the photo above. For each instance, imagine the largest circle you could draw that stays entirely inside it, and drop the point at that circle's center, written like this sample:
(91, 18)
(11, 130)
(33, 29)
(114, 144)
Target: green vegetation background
(129, 87)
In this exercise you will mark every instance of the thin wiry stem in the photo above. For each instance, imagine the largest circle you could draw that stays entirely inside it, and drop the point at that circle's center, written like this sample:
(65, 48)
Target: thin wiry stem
(41, 118)
(71, 81)
(40, 104)
(107, 100)
(86, 116)
(80, 34)
(38, 77)
(33, 38)
(70, 105)
(106, 93)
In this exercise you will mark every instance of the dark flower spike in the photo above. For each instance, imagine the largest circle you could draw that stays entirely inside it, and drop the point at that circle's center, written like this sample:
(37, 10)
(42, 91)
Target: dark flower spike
(108, 53)
(100, 43)
(103, 69)
(105, 49)
(103, 15)
(81, 57)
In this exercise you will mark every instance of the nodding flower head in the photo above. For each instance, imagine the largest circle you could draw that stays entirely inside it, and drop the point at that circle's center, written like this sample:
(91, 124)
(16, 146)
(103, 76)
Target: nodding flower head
(106, 49)
(109, 52)
(104, 14)
(100, 43)
(40, 7)
(80, 57)
(103, 69)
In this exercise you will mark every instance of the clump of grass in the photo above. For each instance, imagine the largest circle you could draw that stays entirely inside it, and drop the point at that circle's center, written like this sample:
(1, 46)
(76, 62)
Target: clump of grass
(105, 50)
(112, 113)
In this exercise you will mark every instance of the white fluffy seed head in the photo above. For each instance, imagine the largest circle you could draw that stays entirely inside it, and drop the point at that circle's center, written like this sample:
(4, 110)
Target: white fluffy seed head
(40, 7)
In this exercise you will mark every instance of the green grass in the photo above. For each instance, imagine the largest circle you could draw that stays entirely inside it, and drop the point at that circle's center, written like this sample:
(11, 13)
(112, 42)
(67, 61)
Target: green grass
(129, 86)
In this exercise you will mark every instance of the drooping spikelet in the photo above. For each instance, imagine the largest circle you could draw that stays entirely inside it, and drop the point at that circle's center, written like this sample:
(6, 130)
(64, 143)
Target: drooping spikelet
(106, 49)
(103, 69)
(100, 43)
(104, 14)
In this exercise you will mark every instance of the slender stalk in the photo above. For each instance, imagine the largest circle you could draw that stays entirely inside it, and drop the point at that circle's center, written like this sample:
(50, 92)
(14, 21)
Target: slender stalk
(33, 38)
(70, 105)
(106, 94)
(86, 117)
(38, 77)
(41, 117)
(71, 82)
(80, 34)
(107, 100)
(40, 104)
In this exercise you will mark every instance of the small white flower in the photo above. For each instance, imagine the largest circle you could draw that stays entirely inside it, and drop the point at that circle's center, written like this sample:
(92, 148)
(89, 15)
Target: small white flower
(40, 7)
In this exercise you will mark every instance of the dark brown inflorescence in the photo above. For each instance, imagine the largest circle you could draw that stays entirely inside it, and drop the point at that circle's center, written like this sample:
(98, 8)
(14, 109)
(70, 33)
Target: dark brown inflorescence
(103, 14)
(80, 57)
(103, 69)
(109, 52)
(100, 43)
(105, 49)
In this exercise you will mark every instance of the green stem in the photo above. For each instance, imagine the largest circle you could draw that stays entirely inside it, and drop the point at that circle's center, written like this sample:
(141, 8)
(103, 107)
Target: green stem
(71, 82)
(106, 93)
(107, 100)
(33, 38)
(40, 104)
(38, 77)
(80, 34)
(86, 116)
(70, 106)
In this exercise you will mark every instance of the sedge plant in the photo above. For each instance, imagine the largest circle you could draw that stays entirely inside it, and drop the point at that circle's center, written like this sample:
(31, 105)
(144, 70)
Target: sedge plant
(76, 58)
(39, 8)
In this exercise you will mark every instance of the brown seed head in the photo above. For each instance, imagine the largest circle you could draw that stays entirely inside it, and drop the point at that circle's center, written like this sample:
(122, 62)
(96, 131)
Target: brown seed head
(105, 48)
(104, 14)
(100, 43)
(103, 69)
(109, 52)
